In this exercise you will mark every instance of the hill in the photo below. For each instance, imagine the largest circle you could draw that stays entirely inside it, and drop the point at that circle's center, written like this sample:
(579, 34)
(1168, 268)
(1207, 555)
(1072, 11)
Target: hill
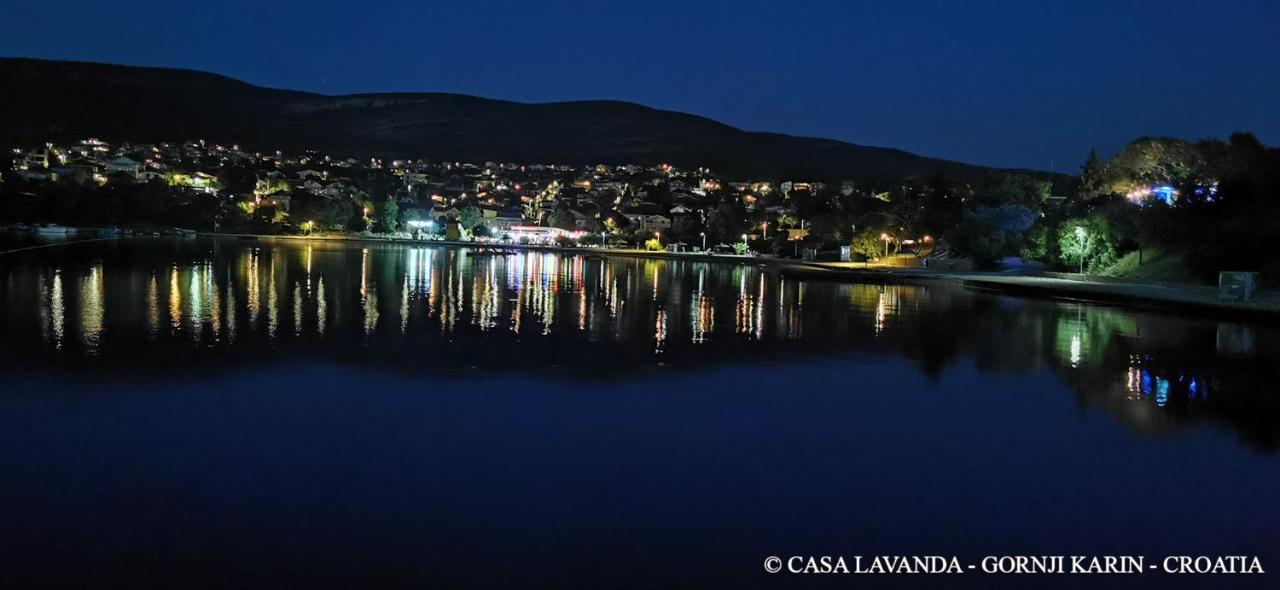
(59, 101)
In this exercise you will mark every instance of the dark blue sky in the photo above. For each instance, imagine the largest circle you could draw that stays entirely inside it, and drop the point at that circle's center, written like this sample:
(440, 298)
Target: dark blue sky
(1014, 83)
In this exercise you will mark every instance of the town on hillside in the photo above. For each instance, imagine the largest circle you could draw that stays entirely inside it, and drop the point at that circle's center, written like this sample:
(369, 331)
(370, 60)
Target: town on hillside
(1147, 203)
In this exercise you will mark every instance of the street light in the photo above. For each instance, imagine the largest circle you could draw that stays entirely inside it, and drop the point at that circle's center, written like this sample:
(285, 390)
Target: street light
(704, 241)
(885, 237)
(764, 229)
(1083, 235)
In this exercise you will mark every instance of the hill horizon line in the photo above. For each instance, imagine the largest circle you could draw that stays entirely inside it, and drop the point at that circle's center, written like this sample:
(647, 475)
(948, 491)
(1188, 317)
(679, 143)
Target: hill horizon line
(413, 122)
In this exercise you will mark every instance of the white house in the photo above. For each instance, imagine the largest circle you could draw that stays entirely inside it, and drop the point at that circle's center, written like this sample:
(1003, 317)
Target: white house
(643, 221)
(123, 165)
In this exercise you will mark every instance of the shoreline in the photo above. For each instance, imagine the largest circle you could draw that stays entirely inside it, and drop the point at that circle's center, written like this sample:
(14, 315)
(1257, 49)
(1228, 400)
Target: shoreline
(630, 252)
(1200, 299)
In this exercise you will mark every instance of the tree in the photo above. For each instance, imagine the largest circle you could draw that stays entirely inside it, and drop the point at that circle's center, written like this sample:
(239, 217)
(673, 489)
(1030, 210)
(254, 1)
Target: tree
(942, 204)
(824, 228)
(685, 227)
(1089, 243)
(1154, 161)
(562, 218)
(658, 193)
(1091, 179)
(867, 243)
(388, 214)
(727, 221)
(989, 233)
(1019, 189)
(238, 179)
(469, 217)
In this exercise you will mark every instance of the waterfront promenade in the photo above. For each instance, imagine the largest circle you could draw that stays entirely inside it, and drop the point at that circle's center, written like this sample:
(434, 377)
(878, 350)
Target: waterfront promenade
(1198, 298)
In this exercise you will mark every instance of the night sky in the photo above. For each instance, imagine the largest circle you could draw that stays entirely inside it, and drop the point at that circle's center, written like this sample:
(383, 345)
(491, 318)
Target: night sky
(1012, 83)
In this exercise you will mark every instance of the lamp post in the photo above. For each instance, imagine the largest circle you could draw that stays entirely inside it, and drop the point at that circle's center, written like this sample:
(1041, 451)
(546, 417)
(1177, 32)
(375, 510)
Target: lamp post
(885, 237)
(1083, 235)
(764, 229)
(704, 241)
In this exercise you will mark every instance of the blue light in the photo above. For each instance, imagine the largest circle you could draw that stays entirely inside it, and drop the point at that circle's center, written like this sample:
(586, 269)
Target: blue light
(1164, 193)
(1193, 388)
(1162, 392)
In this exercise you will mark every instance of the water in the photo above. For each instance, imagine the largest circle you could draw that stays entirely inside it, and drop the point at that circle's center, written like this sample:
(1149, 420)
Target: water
(248, 413)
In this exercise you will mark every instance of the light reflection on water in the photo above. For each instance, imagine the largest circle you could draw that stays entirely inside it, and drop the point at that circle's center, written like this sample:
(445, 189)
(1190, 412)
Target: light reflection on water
(429, 308)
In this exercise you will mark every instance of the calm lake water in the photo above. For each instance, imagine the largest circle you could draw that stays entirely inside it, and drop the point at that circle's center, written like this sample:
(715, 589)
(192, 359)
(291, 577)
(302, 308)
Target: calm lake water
(251, 413)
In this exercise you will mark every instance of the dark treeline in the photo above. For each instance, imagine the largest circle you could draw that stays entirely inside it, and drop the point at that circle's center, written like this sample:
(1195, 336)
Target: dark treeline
(120, 202)
(1211, 204)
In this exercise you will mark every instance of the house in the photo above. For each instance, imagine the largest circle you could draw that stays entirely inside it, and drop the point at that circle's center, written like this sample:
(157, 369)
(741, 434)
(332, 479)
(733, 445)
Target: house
(648, 221)
(336, 189)
(123, 165)
(444, 214)
(414, 178)
(281, 201)
(199, 181)
(313, 187)
(73, 174)
(504, 220)
(149, 175)
(32, 160)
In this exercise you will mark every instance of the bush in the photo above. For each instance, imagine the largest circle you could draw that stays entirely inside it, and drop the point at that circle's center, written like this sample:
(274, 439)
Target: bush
(1092, 240)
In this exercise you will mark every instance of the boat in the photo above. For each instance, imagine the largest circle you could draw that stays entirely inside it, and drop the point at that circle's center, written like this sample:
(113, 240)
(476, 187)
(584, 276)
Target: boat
(61, 230)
